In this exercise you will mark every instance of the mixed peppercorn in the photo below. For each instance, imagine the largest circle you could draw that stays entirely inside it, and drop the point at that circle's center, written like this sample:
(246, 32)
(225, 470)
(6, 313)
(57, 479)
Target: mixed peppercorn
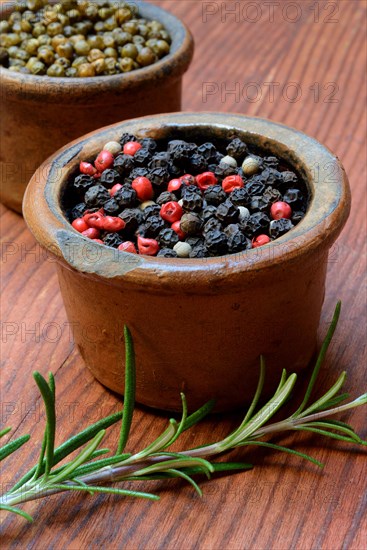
(78, 38)
(180, 199)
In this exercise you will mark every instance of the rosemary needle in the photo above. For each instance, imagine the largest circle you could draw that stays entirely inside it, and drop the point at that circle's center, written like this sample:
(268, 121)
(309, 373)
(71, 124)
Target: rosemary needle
(91, 471)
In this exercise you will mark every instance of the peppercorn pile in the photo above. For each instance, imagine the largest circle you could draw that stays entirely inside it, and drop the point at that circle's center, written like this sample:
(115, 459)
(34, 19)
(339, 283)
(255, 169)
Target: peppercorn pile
(79, 38)
(180, 199)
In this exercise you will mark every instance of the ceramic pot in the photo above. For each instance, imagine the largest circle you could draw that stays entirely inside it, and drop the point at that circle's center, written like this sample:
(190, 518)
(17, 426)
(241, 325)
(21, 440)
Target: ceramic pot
(199, 325)
(40, 114)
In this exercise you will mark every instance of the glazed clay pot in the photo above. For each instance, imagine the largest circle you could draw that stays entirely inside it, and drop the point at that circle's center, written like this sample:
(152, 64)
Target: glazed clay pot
(40, 114)
(199, 325)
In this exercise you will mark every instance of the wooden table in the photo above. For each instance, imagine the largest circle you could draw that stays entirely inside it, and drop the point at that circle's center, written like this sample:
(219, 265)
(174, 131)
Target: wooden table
(301, 63)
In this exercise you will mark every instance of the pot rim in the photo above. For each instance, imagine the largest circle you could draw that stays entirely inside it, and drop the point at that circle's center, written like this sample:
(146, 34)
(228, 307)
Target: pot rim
(18, 85)
(317, 231)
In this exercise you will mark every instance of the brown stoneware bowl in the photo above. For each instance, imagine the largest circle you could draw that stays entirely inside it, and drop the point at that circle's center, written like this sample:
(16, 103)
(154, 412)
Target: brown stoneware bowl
(199, 325)
(40, 114)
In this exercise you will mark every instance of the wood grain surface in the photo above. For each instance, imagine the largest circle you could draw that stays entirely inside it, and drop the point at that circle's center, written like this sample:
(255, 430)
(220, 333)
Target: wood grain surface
(301, 63)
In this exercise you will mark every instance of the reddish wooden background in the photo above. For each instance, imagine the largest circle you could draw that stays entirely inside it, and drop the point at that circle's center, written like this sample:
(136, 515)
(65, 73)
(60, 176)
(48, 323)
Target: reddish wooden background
(312, 55)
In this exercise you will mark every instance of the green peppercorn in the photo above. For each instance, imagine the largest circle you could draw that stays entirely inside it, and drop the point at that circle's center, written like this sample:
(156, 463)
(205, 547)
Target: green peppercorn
(99, 65)
(71, 72)
(63, 62)
(56, 70)
(4, 26)
(13, 50)
(54, 28)
(44, 40)
(95, 54)
(68, 31)
(146, 57)
(104, 37)
(46, 55)
(79, 61)
(12, 39)
(123, 15)
(82, 47)
(110, 63)
(65, 50)
(91, 12)
(95, 41)
(126, 64)
(130, 27)
(138, 40)
(121, 38)
(38, 68)
(22, 54)
(57, 40)
(73, 15)
(110, 24)
(105, 13)
(109, 41)
(34, 5)
(85, 70)
(99, 26)
(110, 52)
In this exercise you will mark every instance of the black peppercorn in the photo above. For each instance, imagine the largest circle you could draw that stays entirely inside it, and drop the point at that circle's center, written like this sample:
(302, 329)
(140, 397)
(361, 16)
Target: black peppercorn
(149, 144)
(167, 253)
(272, 195)
(199, 251)
(259, 204)
(158, 176)
(208, 150)
(237, 242)
(197, 163)
(127, 137)
(194, 241)
(297, 216)
(137, 172)
(270, 176)
(215, 194)
(159, 160)
(254, 186)
(123, 164)
(208, 212)
(77, 211)
(180, 151)
(237, 149)
(293, 197)
(153, 225)
(111, 207)
(192, 201)
(223, 170)
(211, 224)
(166, 196)
(132, 217)
(257, 223)
(83, 182)
(96, 196)
(126, 196)
(151, 210)
(277, 228)
(272, 162)
(109, 177)
(112, 239)
(142, 157)
(216, 242)
(239, 196)
(227, 212)
(167, 238)
(288, 177)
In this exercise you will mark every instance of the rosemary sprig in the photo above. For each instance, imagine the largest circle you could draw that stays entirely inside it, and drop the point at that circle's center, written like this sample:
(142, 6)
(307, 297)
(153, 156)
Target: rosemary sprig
(89, 473)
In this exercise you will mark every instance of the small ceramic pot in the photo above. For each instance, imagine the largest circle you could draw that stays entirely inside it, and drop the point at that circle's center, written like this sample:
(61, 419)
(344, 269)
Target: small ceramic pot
(199, 325)
(40, 114)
